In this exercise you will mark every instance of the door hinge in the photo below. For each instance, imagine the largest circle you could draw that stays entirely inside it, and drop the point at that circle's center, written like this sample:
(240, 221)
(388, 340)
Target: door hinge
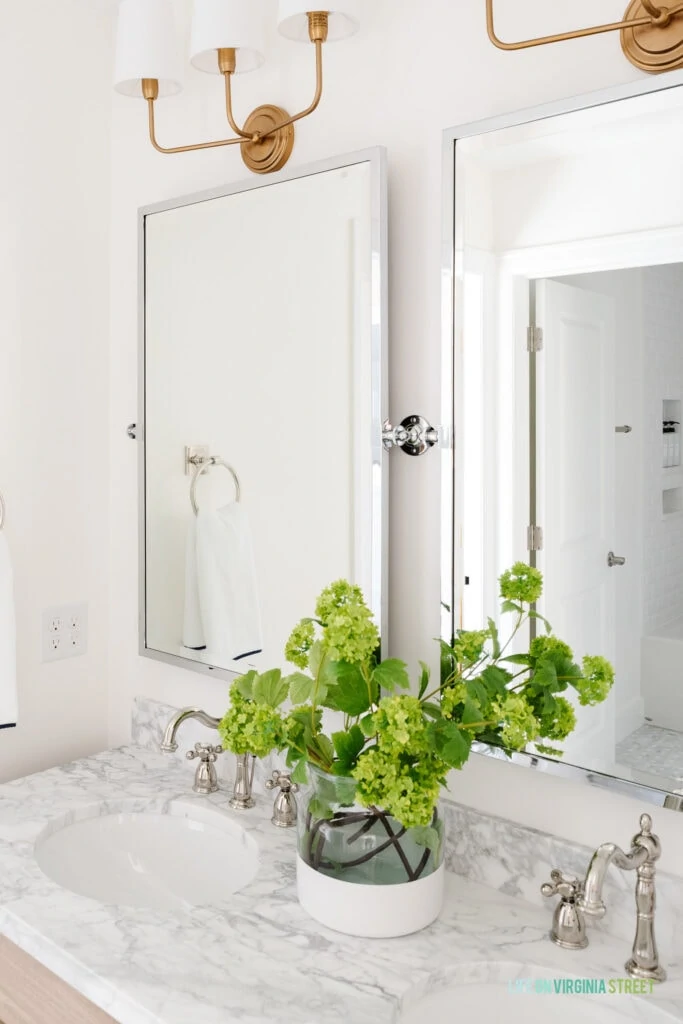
(534, 339)
(534, 538)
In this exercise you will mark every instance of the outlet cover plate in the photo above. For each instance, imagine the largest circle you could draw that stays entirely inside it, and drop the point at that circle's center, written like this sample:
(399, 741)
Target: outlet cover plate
(64, 632)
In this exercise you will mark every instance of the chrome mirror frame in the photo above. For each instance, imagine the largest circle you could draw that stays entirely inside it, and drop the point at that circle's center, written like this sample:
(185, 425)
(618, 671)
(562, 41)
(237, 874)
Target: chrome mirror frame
(378, 390)
(651, 791)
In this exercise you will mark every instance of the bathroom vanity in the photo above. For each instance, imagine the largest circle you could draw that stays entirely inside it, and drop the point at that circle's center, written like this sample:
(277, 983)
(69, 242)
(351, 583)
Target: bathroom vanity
(253, 954)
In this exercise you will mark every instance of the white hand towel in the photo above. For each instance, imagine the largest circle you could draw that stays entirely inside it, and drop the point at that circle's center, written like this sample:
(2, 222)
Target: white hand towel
(226, 582)
(8, 639)
(193, 631)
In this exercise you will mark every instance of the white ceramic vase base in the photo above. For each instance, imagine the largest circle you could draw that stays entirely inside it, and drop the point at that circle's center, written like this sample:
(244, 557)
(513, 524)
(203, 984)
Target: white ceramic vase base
(370, 911)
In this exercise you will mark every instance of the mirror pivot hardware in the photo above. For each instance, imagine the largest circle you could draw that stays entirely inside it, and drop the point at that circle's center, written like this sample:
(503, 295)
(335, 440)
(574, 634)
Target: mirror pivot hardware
(414, 435)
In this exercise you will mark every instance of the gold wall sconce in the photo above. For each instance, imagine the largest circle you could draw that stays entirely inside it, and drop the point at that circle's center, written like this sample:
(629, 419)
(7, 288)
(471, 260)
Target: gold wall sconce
(651, 35)
(227, 39)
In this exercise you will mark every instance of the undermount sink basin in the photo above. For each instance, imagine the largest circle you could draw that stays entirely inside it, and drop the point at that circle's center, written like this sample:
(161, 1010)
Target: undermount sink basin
(514, 993)
(166, 857)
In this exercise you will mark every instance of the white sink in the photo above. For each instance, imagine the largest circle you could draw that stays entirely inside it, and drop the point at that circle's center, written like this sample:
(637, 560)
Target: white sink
(166, 857)
(499, 992)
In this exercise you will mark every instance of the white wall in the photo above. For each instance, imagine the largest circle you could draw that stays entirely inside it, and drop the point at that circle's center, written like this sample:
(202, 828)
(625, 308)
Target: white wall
(416, 69)
(54, 255)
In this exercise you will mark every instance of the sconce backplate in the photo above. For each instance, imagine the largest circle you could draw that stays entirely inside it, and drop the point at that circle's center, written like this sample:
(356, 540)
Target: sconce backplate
(653, 48)
(273, 152)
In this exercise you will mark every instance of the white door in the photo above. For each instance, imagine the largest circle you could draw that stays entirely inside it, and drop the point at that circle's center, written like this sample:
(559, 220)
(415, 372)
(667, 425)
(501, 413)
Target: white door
(575, 486)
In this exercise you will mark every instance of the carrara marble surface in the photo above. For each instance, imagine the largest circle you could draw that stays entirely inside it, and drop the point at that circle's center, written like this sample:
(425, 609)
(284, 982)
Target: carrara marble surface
(257, 957)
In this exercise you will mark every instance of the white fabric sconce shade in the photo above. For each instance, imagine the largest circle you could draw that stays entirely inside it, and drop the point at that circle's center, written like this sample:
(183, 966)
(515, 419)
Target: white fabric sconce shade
(147, 47)
(293, 20)
(228, 24)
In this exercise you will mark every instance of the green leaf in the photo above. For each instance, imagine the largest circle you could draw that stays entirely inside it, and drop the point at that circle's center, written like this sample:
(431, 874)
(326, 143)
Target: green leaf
(300, 687)
(390, 675)
(245, 684)
(424, 679)
(545, 675)
(518, 659)
(323, 746)
(431, 710)
(367, 724)
(271, 689)
(426, 835)
(476, 691)
(471, 713)
(495, 679)
(349, 693)
(450, 743)
(348, 746)
(320, 809)
(315, 658)
(537, 615)
(493, 630)
(300, 772)
(510, 606)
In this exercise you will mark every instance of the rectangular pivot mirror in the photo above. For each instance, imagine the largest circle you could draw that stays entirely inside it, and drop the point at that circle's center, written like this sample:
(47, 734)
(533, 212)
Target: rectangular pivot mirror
(263, 352)
(565, 341)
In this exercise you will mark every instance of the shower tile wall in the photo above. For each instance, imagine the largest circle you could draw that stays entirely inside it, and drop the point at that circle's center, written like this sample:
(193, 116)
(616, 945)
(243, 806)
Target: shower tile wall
(663, 378)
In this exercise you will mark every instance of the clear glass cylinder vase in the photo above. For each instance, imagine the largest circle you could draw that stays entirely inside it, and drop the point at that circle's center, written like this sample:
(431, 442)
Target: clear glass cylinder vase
(342, 840)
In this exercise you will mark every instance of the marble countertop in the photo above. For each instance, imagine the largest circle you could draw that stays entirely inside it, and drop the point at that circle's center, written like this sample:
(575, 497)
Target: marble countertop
(257, 957)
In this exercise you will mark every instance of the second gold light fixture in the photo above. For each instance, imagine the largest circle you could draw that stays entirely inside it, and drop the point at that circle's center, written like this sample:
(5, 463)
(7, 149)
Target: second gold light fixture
(651, 35)
(227, 39)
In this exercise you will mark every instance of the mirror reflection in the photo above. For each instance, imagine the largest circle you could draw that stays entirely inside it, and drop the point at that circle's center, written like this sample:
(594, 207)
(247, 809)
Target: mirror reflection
(569, 404)
(263, 395)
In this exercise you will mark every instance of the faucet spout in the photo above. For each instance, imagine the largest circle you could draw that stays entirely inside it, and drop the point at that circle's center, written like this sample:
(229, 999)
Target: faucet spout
(169, 744)
(591, 901)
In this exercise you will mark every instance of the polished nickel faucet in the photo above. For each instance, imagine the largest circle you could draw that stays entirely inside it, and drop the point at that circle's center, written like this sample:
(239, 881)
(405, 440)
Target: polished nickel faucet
(645, 850)
(206, 779)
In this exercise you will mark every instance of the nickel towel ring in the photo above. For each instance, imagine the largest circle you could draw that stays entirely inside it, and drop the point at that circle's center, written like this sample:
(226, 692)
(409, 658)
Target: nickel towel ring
(202, 466)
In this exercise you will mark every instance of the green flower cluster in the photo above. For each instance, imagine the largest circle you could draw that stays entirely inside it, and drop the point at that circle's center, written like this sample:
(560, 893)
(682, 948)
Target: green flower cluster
(250, 728)
(400, 725)
(339, 594)
(598, 679)
(550, 647)
(453, 697)
(518, 723)
(468, 646)
(300, 642)
(350, 634)
(521, 583)
(406, 788)
(560, 723)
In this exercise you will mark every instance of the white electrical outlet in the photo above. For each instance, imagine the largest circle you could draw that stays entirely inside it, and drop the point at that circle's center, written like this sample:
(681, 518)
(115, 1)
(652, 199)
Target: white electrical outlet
(65, 632)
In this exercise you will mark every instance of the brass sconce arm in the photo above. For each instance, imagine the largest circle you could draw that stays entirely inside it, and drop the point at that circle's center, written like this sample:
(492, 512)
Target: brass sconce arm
(318, 88)
(150, 88)
(291, 120)
(656, 17)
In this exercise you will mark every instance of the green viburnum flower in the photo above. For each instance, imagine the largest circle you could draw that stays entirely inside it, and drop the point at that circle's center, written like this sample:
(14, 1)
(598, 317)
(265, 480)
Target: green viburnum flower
(408, 791)
(521, 583)
(451, 697)
(559, 725)
(300, 641)
(597, 682)
(250, 728)
(469, 646)
(339, 594)
(519, 725)
(400, 725)
(551, 646)
(350, 634)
